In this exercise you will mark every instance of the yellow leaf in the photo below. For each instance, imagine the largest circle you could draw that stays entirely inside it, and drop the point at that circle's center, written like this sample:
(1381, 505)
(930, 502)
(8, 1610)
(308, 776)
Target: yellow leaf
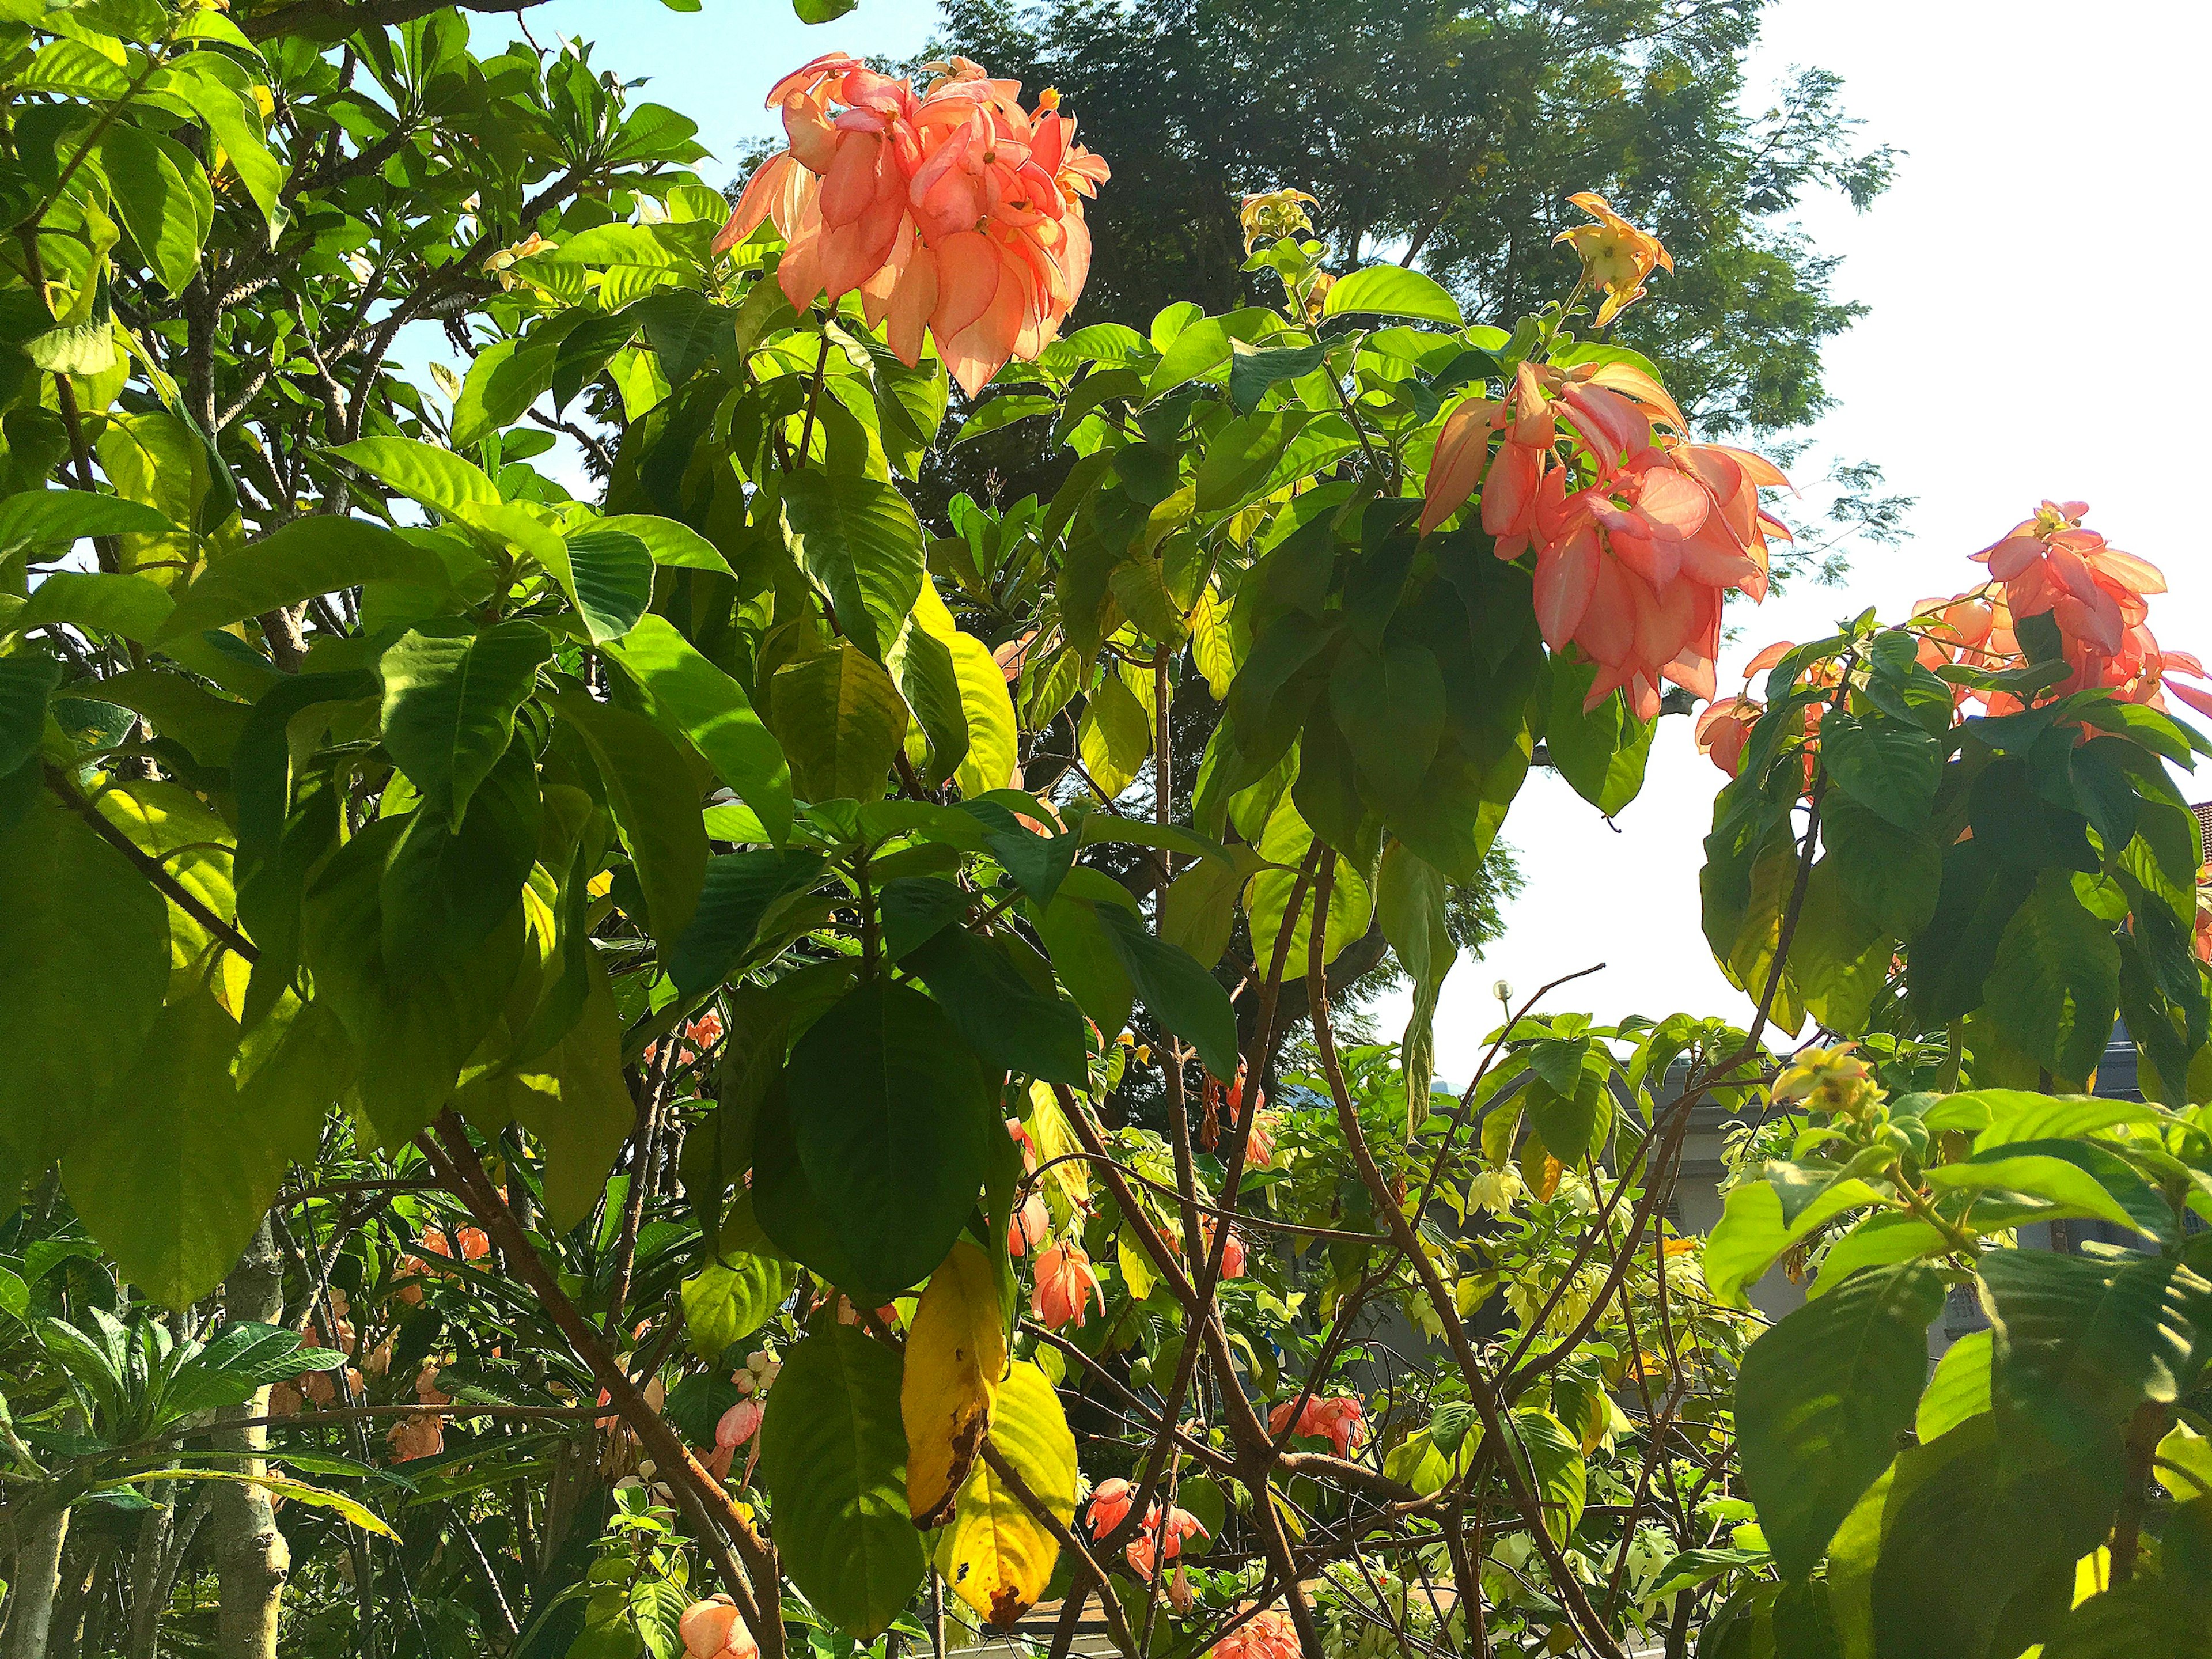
(955, 1355)
(1054, 1139)
(299, 1491)
(996, 1555)
(1134, 1267)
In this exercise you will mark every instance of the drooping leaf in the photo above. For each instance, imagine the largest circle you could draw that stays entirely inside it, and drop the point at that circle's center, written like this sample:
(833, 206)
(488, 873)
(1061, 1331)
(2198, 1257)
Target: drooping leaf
(832, 1458)
(739, 1290)
(997, 1557)
(1178, 992)
(956, 1354)
(170, 1174)
(740, 892)
(1010, 1023)
(83, 948)
(655, 807)
(839, 721)
(1821, 1398)
(862, 541)
(2055, 984)
(889, 1111)
(692, 696)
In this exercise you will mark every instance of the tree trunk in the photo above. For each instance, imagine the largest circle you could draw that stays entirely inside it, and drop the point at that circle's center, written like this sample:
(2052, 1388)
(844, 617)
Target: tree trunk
(250, 1557)
(31, 1598)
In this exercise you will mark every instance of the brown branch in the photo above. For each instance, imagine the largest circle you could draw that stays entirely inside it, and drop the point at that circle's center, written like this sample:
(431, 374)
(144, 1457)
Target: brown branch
(151, 867)
(447, 1148)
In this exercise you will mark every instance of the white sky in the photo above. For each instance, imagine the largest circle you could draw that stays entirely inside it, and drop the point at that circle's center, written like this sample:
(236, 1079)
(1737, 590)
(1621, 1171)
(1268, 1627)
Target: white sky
(2030, 336)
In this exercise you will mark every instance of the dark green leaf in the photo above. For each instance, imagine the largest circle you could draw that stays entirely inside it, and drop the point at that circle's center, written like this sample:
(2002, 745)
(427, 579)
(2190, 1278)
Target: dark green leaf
(450, 697)
(1011, 1023)
(740, 889)
(1180, 994)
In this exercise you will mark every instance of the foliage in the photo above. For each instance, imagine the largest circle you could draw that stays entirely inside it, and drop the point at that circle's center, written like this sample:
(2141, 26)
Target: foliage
(645, 987)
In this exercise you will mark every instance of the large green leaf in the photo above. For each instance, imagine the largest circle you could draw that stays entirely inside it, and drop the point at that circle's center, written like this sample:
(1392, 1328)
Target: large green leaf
(133, 606)
(26, 682)
(1180, 994)
(1601, 752)
(414, 1024)
(84, 952)
(890, 1109)
(655, 805)
(839, 721)
(437, 478)
(691, 696)
(860, 540)
(1890, 766)
(2054, 985)
(507, 377)
(833, 1458)
(162, 196)
(172, 1172)
(41, 518)
(1550, 1460)
(1114, 736)
(2080, 1342)
(1893, 875)
(1390, 707)
(1821, 1398)
(296, 562)
(1394, 291)
(740, 892)
(1013, 1024)
(607, 575)
(450, 697)
(447, 885)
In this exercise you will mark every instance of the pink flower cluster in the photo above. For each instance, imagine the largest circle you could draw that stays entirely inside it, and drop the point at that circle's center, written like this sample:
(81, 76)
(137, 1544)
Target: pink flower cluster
(1340, 1421)
(1161, 1538)
(1637, 540)
(2049, 565)
(956, 211)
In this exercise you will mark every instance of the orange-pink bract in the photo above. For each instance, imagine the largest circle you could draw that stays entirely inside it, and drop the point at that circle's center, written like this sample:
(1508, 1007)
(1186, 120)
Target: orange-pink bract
(1637, 542)
(1065, 1286)
(956, 211)
(715, 1629)
(1342, 1420)
(1268, 1635)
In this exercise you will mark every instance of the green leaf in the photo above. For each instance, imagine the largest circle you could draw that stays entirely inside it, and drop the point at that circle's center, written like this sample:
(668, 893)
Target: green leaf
(821, 11)
(297, 561)
(319, 1498)
(741, 890)
(655, 805)
(862, 541)
(1551, 1460)
(2062, 1179)
(1001, 410)
(1889, 766)
(507, 377)
(1752, 1236)
(1198, 350)
(1199, 912)
(993, 739)
(1254, 369)
(84, 948)
(607, 575)
(738, 1291)
(1181, 995)
(890, 1109)
(2080, 1342)
(1390, 707)
(690, 695)
(669, 542)
(44, 518)
(1013, 1024)
(833, 1458)
(1959, 1388)
(1575, 1122)
(841, 721)
(446, 886)
(163, 198)
(1395, 292)
(679, 325)
(1601, 752)
(437, 478)
(1892, 875)
(450, 698)
(1821, 1398)
(2054, 985)
(26, 682)
(170, 1174)
(133, 606)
